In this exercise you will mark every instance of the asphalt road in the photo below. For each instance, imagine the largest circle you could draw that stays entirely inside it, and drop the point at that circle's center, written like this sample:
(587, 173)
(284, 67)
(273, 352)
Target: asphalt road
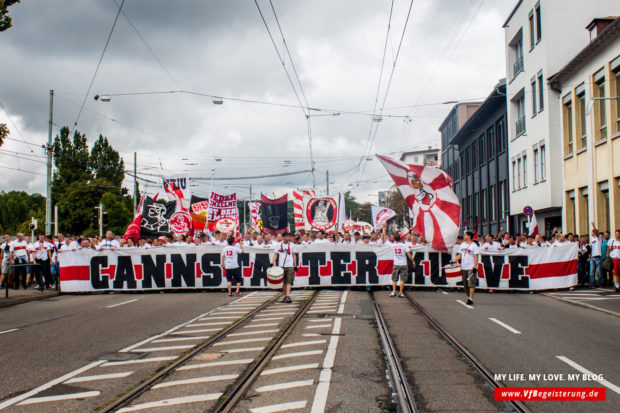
(550, 336)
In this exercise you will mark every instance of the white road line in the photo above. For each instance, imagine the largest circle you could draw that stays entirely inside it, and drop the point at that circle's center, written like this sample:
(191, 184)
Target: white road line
(582, 369)
(577, 294)
(171, 402)
(138, 361)
(231, 312)
(82, 395)
(148, 350)
(245, 340)
(506, 326)
(304, 343)
(322, 389)
(123, 303)
(203, 330)
(216, 323)
(261, 325)
(282, 407)
(8, 331)
(284, 386)
(471, 307)
(251, 333)
(311, 335)
(215, 364)
(227, 317)
(278, 312)
(195, 380)
(317, 307)
(289, 368)
(444, 292)
(321, 311)
(49, 384)
(242, 350)
(170, 340)
(614, 297)
(268, 318)
(297, 354)
(99, 377)
(318, 326)
(319, 320)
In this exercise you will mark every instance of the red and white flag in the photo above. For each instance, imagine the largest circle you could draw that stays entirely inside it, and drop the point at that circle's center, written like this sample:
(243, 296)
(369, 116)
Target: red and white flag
(255, 215)
(429, 194)
(298, 212)
(381, 215)
(532, 226)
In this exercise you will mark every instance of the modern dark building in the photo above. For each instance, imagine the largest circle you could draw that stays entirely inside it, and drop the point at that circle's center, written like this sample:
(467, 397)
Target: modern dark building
(480, 169)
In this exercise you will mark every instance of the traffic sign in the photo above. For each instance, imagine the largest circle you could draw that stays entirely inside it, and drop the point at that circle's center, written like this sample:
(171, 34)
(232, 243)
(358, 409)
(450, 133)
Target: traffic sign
(528, 211)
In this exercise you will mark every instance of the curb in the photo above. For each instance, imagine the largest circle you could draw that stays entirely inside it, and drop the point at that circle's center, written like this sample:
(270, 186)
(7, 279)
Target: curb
(592, 307)
(8, 302)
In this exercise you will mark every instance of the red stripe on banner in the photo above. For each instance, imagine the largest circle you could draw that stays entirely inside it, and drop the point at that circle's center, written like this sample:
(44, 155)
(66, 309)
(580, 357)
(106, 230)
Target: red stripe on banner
(441, 181)
(438, 243)
(247, 271)
(168, 270)
(110, 271)
(385, 267)
(303, 271)
(299, 224)
(297, 195)
(552, 269)
(137, 269)
(452, 210)
(75, 273)
(296, 215)
(352, 267)
(326, 270)
(198, 270)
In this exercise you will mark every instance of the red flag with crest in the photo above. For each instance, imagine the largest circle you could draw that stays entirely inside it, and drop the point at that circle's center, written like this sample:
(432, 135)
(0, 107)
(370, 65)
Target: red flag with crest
(429, 194)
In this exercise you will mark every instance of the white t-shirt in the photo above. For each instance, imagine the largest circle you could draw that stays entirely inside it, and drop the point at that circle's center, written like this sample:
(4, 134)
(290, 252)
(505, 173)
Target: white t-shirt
(597, 246)
(285, 254)
(400, 252)
(560, 243)
(467, 251)
(231, 256)
(376, 242)
(108, 244)
(6, 249)
(613, 247)
(41, 250)
(19, 249)
(493, 246)
(321, 241)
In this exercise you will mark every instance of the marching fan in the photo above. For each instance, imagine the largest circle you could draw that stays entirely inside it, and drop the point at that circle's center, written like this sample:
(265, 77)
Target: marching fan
(400, 269)
(231, 264)
(468, 255)
(286, 258)
(109, 243)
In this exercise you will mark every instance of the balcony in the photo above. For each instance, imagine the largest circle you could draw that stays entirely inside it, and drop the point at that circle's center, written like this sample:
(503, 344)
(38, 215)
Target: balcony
(517, 66)
(520, 126)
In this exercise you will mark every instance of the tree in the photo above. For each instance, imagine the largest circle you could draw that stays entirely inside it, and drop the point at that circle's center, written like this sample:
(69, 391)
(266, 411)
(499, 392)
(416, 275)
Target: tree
(106, 163)
(119, 214)
(397, 203)
(5, 19)
(71, 159)
(4, 131)
(17, 208)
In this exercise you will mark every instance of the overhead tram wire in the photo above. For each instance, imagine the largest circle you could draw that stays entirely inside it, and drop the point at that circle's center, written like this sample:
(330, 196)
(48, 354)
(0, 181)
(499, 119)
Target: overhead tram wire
(16, 128)
(92, 80)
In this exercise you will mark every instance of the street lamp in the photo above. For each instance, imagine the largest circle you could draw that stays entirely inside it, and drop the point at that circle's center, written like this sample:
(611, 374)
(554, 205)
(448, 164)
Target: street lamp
(102, 98)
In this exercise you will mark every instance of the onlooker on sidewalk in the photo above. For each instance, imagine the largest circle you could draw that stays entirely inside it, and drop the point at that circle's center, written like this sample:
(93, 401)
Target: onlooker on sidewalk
(596, 258)
(583, 255)
(5, 253)
(42, 256)
(19, 257)
(607, 277)
(614, 253)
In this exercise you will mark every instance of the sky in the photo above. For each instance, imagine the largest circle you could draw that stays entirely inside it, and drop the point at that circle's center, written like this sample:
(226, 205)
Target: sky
(451, 50)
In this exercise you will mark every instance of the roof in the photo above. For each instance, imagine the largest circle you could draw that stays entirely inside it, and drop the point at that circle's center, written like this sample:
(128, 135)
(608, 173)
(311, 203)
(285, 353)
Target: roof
(599, 43)
(512, 13)
(497, 96)
(427, 150)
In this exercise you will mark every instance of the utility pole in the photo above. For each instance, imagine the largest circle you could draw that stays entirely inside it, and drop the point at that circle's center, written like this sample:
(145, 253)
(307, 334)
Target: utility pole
(101, 220)
(135, 181)
(327, 181)
(55, 219)
(48, 199)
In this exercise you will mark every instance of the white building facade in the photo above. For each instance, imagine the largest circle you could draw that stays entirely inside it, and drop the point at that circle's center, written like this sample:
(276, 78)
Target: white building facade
(541, 37)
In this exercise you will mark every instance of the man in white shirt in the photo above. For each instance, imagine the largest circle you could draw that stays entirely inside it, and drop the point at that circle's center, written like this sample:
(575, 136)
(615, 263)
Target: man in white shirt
(613, 252)
(42, 255)
(320, 238)
(400, 269)
(491, 245)
(286, 258)
(230, 255)
(596, 258)
(109, 243)
(468, 255)
(19, 256)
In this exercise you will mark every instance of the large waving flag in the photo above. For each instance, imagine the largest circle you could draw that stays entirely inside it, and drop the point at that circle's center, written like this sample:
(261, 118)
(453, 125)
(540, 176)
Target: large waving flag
(428, 192)
(298, 203)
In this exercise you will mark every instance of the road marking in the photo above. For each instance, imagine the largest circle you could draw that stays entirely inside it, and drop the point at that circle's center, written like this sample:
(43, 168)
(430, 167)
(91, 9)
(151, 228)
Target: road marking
(303, 343)
(215, 364)
(582, 369)
(277, 312)
(282, 407)
(319, 326)
(216, 323)
(284, 386)
(471, 307)
(224, 317)
(609, 297)
(322, 389)
(321, 311)
(245, 340)
(242, 350)
(195, 380)
(169, 340)
(261, 325)
(231, 312)
(289, 368)
(251, 333)
(311, 335)
(49, 384)
(320, 320)
(204, 330)
(60, 397)
(8, 331)
(146, 350)
(147, 360)
(321, 307)
(123, 303)
(443, 292)
(297, 354)
(262, 318)
(506, 326)
(172, 402)
(99, 377)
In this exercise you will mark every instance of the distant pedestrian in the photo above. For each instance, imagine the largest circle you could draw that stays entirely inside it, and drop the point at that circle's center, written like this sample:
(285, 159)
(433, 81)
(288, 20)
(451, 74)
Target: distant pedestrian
(596, 258)
(19, 257)
(468, 255)
(400, 270)
(613, 251)
(5, 253)
(231, 265)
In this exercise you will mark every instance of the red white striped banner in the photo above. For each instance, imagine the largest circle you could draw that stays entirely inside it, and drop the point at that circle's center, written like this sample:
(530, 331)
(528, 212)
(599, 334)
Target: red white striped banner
(298, 201)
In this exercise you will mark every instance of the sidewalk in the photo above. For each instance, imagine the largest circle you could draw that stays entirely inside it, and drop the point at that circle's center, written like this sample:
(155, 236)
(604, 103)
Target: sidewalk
(23, 296)
(600, 299)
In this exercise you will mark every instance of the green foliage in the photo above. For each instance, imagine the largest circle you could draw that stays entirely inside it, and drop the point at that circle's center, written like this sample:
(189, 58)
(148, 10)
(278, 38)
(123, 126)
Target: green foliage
(5, 19)
(71, 159)
(17, 208)
(106, 162)
(119, 213)
(4, 131)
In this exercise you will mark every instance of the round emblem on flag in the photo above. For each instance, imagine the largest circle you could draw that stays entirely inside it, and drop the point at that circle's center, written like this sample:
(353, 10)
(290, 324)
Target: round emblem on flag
(181, 222)
(422, 193)
(321, 213)
(225, 225)
(528, 210)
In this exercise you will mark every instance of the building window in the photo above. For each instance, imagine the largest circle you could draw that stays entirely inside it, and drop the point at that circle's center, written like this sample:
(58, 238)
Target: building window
(600, 114)
(541, 87)
(502, 199)
(535, 151)
(481, 149)
(519, 173)
(604, 217)
(543, 160)
(524, 157)
(584, 211)
(483, 205)
(516, 55)
(534, 107)
(520, 109)
(532, 30)
(580, 127)
(500, 135)
(538, 22)
(616, 102)
(514, 175)
(567, 121)
(474, 156)
(492, 201)
(571, 212)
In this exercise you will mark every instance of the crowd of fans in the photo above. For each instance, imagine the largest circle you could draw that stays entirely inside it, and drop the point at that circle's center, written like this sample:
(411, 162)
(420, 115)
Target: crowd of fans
(25, 261)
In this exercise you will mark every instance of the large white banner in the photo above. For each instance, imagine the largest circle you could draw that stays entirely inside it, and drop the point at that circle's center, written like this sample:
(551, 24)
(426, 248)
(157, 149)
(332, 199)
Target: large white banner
(197, 267)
